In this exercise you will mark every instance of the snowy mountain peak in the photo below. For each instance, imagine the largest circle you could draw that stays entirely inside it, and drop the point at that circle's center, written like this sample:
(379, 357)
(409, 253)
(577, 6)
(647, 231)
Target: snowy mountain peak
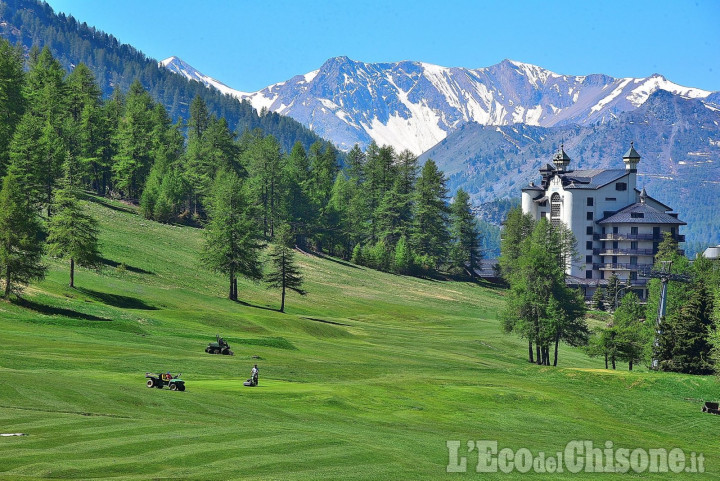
(414, 105)
(180, 67)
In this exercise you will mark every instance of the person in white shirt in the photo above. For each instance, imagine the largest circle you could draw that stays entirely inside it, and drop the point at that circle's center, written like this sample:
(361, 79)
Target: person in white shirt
(254, 375)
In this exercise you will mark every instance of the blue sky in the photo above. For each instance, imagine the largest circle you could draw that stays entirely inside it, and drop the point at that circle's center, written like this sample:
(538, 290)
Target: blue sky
(251, 44)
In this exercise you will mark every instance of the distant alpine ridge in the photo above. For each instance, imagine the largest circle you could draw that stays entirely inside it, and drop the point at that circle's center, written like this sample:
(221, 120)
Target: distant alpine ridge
(415, 105)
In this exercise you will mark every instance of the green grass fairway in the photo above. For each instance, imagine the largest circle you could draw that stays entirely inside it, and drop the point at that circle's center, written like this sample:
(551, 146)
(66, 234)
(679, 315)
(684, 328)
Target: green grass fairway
(367, 377)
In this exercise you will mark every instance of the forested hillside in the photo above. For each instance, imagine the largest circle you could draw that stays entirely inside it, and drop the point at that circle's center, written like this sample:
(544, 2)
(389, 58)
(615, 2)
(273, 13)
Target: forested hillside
(116, 66)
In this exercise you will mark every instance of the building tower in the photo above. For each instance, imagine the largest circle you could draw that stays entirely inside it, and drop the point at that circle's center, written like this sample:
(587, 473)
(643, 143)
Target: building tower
(561, 160)
(631, 160)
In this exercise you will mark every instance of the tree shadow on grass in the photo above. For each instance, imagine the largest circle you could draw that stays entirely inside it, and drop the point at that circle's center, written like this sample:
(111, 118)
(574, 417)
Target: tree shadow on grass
(116, 300)
(56, 311)
(103, 202)
(326, 257)
(112, 263)
(257, 307)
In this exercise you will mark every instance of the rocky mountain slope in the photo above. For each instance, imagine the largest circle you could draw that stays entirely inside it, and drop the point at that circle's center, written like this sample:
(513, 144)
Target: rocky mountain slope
(414, 105)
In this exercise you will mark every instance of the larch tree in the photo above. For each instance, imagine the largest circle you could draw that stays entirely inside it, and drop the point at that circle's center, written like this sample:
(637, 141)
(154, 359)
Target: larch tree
(633, 336)
(46, 92)
(12, 102)
(73, 233)
(21, 246)
(430, 236)
(232, 234)
(284, 273)
(465, 251)
(133, 159)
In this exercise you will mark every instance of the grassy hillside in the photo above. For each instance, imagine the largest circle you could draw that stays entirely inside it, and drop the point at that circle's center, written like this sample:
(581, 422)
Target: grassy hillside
(365, 378)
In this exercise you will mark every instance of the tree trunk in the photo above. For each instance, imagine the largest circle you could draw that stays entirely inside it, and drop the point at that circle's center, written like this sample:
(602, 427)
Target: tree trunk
(72, 272)
(7, 282)
(613, 362)
(235, 292)
(530, 351)
(606, 361)
(630, 365)
(557, 342)
(231, 291)
(282, 301)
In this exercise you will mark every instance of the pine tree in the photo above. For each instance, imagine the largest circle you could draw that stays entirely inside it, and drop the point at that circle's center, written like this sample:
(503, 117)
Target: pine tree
(12, 102)
(26, 158)
(133, 159)
(264, 165)
(403, 259)
(540, 306)
(430, 235)
(20, 238)
(296, 207)
(232, 235)
(46, 92)
(284, 273)
(603, 343)
(465, 251)
(598, 299)
(516, 231)
(691, 352)
(72, 232)
(633, 336)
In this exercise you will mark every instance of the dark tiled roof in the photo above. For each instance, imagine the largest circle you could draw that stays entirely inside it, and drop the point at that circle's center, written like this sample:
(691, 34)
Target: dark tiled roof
(592, 179)
(667, 207)
(643, 214)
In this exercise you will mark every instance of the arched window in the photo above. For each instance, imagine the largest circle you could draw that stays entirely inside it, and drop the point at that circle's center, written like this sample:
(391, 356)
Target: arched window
(555, 209)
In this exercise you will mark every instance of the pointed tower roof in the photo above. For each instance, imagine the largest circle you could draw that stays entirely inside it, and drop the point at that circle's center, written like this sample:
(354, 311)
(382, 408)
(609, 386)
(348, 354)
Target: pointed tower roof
(643, 195)
(631, 153)
(561, 155)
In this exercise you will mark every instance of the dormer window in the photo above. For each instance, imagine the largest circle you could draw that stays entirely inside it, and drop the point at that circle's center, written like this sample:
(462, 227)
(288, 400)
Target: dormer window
(637, 215)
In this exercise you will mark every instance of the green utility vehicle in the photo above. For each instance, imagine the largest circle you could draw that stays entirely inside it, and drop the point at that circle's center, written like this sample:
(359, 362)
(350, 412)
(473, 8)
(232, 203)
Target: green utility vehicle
(165, 379)
(219, 347)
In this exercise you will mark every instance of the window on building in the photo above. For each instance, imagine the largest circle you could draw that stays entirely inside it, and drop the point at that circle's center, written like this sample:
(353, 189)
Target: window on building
(588, 274)
(656, 232)
(621, 186)
(637, 215)
(602, 274)
(589, 216)
(614, 259)
(615, 229)
(633, 275)
(588, 245)
(589, 230)
(633, 245)
(555, 209)
(543, 215)
(543, 203)
(610, 199)
(633, 260)
(588, 259)
(615, 244)
(633, 230)
(590, 201)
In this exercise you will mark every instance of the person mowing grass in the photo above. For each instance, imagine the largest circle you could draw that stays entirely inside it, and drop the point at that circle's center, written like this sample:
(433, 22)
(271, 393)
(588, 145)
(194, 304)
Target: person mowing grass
(253, 381)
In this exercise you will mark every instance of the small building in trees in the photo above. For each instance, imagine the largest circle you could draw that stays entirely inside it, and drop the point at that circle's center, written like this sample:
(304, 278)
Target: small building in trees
(617, 226)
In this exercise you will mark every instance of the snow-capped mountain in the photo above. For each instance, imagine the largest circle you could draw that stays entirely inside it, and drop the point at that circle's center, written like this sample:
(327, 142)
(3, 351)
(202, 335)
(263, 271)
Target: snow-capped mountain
(177, 65)
(414, 105)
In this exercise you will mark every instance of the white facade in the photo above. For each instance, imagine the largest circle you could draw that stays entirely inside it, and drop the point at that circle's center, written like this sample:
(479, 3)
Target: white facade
(617, 227)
